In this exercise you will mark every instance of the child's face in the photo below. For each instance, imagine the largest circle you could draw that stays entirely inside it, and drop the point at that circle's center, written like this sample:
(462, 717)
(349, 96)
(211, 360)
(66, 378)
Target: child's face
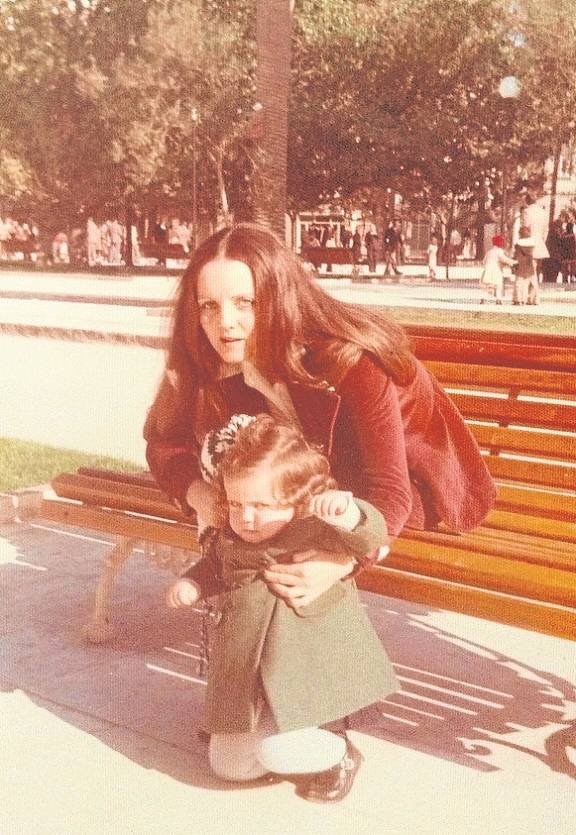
(254, 513)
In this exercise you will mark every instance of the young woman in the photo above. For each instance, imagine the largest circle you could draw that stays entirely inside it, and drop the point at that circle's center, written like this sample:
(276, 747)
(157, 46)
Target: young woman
(253, 332)
(274, 677)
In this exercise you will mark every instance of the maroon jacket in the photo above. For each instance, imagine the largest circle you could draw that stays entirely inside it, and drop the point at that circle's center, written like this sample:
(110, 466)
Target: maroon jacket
(406, 450)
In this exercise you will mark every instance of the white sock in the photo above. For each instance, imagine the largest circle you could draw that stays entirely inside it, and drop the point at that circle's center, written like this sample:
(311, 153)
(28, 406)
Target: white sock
(304, 751)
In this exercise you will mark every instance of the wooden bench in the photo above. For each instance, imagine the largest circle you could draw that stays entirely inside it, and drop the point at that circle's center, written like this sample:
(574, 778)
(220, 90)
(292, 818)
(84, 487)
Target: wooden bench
(163, 251)
(27, 247)
(318, 255)
(518, 394)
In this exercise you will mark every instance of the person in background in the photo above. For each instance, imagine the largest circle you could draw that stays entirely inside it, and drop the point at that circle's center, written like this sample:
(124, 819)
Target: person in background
(93, 239)
(526, 280)
(492, 278)
(391, 244)
(60, 249)
(433, 256)
(370, 239)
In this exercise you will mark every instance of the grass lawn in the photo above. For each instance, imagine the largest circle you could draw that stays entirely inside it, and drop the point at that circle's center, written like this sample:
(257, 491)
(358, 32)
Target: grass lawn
(25, 463)
(486, 321)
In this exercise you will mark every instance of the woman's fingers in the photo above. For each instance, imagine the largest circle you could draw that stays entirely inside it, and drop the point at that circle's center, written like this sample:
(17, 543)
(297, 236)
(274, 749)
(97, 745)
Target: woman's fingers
(284, 575)
(300, 584)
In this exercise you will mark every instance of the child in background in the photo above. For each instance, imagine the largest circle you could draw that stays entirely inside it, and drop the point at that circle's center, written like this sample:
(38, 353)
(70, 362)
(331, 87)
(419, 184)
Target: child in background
(432, 256)
(526, 285)
(492, 278)
(279, 672)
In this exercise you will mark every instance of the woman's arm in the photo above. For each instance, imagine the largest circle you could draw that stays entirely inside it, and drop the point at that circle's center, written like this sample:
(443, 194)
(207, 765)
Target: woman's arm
(506, 261)
(371, 407)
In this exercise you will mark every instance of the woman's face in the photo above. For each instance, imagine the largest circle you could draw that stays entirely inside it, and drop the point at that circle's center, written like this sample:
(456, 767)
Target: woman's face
(225, 294)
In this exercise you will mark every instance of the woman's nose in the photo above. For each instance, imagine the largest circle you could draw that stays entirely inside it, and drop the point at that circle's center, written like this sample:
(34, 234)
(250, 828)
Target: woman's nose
(227, 315)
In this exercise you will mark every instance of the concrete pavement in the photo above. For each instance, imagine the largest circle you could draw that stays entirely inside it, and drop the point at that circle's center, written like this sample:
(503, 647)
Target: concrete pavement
(137, 305)
(101, 740)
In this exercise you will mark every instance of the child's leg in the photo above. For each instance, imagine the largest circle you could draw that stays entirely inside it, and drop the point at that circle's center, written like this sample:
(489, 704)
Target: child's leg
(234, 756)
(247, 756)
(305, 751)
(522, 289)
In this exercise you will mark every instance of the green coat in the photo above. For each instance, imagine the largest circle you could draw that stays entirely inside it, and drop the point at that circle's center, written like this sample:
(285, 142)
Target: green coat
(313, 664)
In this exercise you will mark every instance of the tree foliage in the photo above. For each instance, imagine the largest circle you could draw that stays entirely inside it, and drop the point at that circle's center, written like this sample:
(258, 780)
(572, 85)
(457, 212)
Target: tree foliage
(96, 99)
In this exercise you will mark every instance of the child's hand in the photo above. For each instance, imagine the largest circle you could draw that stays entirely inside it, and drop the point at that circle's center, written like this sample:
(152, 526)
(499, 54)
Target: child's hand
(330, 504)
(182, 593)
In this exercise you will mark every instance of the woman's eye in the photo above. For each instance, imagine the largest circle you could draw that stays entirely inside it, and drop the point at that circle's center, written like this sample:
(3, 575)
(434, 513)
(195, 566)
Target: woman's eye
(207, 306)
(245, 303)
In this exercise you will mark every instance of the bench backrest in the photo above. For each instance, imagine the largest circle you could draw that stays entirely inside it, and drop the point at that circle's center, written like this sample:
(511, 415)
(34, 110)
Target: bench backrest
(328, 255)
(518, 395)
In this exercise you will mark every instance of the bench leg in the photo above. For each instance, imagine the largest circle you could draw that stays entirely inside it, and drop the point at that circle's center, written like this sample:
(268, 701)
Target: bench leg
(98, 629)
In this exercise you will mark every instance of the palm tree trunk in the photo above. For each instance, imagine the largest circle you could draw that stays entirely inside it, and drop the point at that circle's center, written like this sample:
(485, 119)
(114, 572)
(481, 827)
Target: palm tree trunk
(273, 44)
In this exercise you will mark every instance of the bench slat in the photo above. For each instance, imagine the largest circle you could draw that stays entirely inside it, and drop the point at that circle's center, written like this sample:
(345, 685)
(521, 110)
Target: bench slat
(552, 505)
(522, 412)
(495, 377)
(489, 605)
(526, 351)
(537, 525)
(453, 563)
(495, 573)
(544, 444)
(116, 495)
(115, 522)
(511, 545)
(143, 478)
(535, 501)
(531, 472)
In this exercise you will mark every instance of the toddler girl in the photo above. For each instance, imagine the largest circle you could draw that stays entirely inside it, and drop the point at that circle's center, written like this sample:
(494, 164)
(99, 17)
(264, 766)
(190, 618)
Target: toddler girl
(279, 672)
(492, 278)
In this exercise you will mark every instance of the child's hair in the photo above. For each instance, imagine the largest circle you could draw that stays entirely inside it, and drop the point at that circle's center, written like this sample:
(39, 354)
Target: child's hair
(299, 470)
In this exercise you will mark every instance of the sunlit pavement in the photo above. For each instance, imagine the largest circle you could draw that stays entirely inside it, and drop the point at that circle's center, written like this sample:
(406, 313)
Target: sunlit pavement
(102, 740)
(138, 304)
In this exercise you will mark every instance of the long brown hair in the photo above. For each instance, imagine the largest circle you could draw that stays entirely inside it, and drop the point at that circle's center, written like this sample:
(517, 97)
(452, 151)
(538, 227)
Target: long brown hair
(301, 334)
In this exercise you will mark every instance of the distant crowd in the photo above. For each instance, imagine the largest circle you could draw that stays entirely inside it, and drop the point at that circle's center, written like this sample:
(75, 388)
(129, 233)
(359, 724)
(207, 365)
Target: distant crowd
(99, 243)
(17, 236)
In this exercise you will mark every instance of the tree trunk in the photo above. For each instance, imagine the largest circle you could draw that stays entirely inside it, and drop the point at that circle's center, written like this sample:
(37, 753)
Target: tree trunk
(554, 184)
(273, 44)
(129, 220)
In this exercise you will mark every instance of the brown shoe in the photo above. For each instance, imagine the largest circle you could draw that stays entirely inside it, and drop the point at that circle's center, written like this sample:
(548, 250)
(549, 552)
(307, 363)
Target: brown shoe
(332, 785)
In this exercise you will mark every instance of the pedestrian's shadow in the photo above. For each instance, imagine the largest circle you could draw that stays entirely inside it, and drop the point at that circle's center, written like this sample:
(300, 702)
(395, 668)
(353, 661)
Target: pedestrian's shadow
(142, 694)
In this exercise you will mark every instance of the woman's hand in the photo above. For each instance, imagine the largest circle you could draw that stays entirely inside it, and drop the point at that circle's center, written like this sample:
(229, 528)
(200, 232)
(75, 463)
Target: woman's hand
(311, 574)
(182, 593)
